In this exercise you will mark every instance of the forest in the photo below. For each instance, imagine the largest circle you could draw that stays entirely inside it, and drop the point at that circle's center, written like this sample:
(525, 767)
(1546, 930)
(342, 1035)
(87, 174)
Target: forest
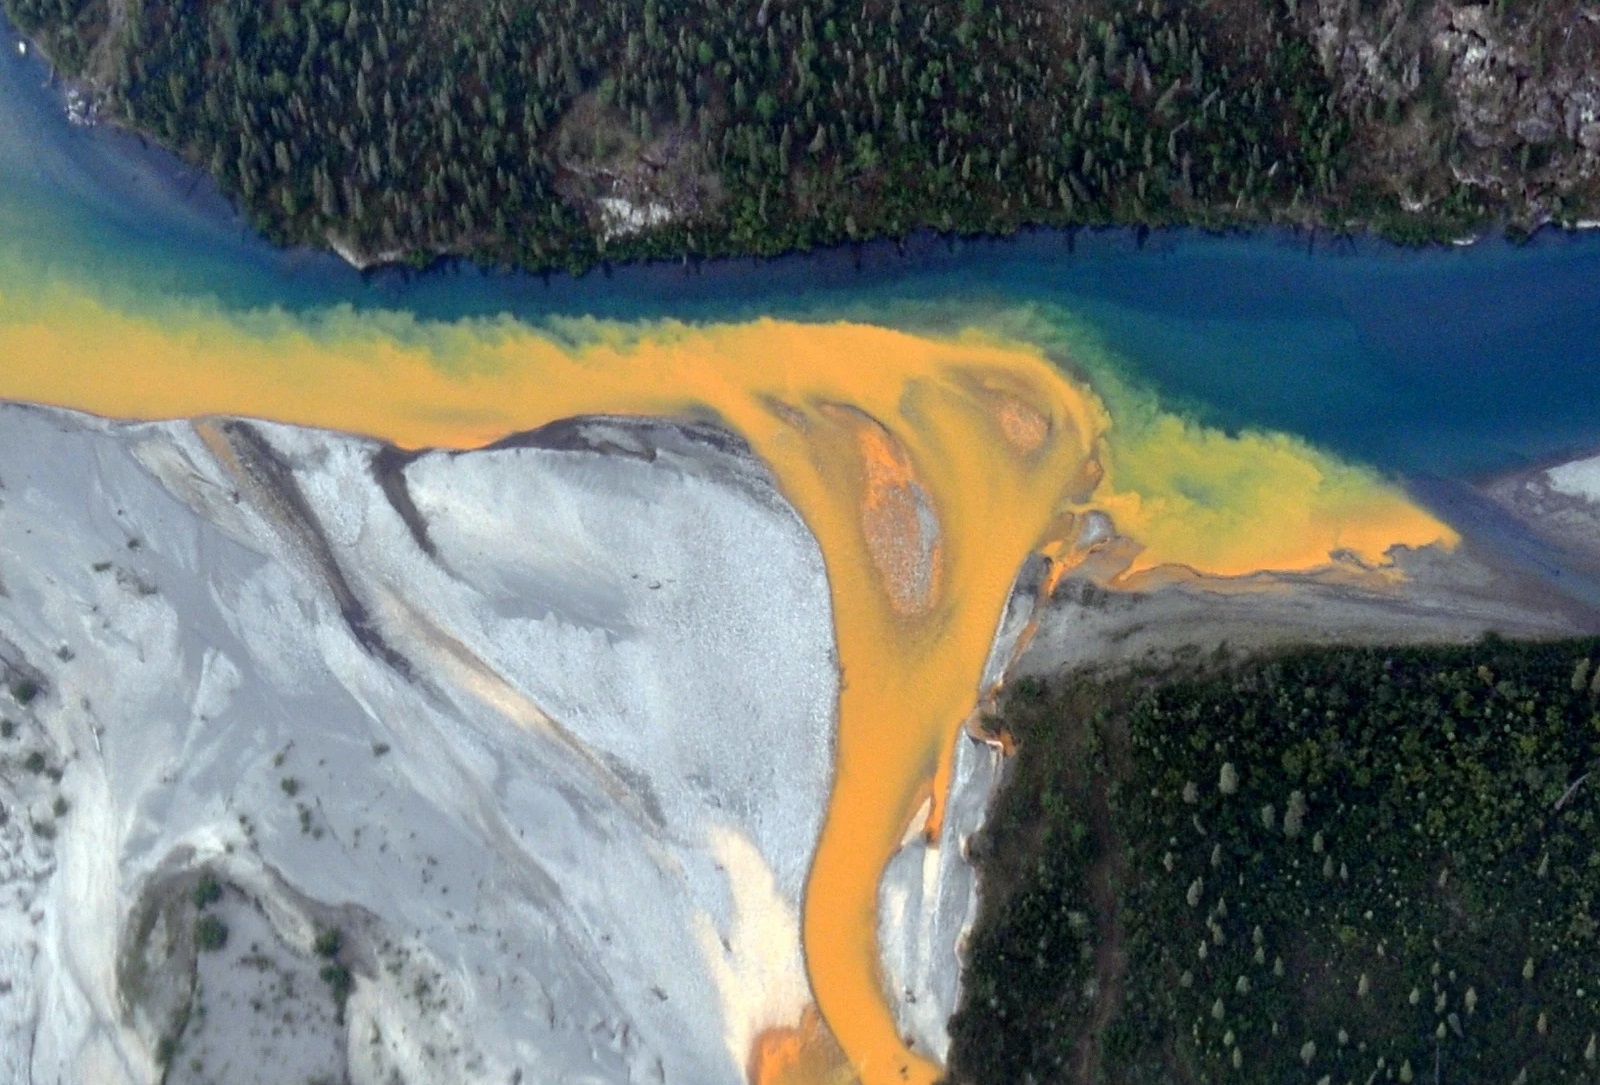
(1326, 866)
(563, 133)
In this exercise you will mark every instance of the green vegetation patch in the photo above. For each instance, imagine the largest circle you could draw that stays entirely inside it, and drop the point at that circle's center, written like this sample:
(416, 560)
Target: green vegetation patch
(210, 933)
(559, 133)
(207, 891)
(329, 941)
(1336, 865)
(68, 29)
(502, 129)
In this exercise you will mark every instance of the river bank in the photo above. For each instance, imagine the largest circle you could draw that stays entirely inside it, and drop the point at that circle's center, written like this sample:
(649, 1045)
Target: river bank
(1422, 121)
(923, 410)
(1253, 863)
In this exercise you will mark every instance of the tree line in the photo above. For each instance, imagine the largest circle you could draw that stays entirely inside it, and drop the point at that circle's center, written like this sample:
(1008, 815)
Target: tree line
(479, 126)
(1341, 864)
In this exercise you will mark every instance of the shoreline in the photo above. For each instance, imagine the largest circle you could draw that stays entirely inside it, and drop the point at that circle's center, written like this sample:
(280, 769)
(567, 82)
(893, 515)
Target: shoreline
(1519, 570)
(180, 180)
(927, 240)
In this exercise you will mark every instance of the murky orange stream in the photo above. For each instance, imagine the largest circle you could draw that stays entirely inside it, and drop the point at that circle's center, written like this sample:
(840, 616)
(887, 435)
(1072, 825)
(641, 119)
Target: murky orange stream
(928, 470)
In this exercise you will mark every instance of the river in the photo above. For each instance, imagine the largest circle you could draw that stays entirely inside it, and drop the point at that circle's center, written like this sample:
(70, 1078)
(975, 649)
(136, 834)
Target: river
(1446, 360)
(935, 412)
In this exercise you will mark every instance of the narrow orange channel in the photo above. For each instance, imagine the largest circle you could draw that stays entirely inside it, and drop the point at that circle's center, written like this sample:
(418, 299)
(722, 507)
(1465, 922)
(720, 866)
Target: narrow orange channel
(928, 469)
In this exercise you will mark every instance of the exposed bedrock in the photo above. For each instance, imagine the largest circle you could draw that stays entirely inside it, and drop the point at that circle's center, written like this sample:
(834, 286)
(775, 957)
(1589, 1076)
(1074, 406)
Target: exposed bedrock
(544, 730)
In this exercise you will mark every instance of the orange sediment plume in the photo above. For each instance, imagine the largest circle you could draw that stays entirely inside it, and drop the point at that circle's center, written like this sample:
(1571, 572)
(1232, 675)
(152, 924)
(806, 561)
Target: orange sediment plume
(927, 469)
(806, 1054)
(1231, 506)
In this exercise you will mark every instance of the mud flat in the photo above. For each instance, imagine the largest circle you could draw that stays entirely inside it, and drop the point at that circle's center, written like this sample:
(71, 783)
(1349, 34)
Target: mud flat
(1558, 504)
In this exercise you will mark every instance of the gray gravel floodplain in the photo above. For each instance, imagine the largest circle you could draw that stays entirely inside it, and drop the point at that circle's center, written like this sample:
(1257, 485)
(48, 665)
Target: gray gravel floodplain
(529, 737)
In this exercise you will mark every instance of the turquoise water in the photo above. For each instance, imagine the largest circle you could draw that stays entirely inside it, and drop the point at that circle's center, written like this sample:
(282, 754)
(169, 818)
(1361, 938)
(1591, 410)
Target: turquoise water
(1450, 362)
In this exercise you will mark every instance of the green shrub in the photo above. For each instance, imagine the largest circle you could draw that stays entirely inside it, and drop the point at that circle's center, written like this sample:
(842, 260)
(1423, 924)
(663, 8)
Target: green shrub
(207, 891)
(328, 942)
(339, 982)
(210, 933)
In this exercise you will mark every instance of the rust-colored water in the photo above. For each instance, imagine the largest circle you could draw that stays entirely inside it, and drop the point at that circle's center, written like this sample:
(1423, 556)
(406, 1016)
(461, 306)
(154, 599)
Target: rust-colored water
(927, 469)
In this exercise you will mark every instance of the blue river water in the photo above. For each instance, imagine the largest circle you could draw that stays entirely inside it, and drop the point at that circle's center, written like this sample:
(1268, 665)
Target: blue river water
(1450, 361)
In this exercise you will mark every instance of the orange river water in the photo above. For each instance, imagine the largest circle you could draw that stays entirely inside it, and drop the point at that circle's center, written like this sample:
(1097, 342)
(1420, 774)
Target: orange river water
(927, 468)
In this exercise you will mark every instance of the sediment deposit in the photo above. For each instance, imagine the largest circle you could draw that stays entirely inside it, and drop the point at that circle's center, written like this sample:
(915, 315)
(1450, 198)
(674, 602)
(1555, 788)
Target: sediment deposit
(517, 724)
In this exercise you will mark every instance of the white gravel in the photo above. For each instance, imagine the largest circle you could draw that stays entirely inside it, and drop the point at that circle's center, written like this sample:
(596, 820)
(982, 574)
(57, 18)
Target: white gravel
(1581, 478)
(559, 757)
